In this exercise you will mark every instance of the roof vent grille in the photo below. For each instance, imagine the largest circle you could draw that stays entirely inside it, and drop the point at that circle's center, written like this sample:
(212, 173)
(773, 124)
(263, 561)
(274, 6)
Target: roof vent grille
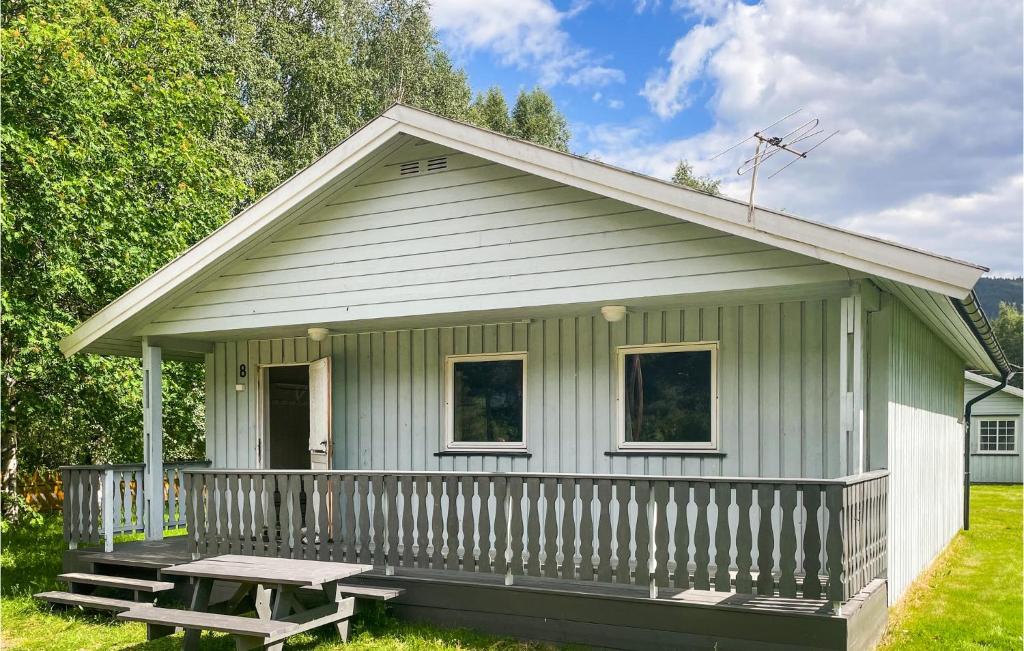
(436, 164)
(405, 169)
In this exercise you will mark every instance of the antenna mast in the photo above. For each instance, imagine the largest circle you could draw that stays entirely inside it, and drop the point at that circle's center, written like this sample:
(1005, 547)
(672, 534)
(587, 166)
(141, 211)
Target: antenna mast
(768, 146)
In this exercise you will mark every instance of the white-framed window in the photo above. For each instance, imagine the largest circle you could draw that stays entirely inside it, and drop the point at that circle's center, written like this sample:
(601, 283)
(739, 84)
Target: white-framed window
(485, 401)
(997, 434)
(668, 396)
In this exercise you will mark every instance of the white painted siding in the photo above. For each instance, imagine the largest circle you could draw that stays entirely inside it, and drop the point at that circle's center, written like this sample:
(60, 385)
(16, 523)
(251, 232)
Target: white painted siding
(994, 468)
(925, 446)
(778, 374)
(476, 236)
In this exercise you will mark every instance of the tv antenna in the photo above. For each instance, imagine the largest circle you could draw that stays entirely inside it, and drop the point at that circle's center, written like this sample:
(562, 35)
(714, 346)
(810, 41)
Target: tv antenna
(768, 146)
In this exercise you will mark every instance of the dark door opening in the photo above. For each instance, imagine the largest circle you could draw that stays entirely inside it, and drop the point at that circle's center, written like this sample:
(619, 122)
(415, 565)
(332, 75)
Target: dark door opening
(287, 417)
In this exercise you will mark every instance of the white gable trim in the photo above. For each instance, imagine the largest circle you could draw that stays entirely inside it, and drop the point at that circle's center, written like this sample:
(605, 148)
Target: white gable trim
(233, 234)
(864, 254)
(990, 383)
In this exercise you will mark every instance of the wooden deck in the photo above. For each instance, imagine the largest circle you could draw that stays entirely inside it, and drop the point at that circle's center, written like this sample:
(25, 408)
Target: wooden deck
(600, 614)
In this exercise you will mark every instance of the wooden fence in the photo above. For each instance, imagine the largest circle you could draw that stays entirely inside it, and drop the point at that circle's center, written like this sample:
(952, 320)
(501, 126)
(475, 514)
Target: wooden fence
(805, 538)
(42, 490)
(102, 501)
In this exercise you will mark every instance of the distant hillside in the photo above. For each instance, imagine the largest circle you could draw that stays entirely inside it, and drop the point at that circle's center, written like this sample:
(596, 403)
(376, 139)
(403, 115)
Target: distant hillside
(993, 291)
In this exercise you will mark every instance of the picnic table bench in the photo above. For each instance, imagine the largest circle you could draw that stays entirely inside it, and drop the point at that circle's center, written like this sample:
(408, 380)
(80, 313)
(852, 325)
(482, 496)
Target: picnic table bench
(274, 583)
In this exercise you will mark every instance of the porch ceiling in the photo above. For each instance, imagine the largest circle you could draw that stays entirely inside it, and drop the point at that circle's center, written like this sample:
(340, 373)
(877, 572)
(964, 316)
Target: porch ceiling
(190, 346)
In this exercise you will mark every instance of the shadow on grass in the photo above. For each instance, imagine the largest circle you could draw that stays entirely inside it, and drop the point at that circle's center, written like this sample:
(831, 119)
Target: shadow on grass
(30, 560)
(31, 557)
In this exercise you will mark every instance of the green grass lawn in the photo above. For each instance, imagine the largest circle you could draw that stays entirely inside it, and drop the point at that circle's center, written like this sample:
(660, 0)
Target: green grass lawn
(971, 598)
(30, 561)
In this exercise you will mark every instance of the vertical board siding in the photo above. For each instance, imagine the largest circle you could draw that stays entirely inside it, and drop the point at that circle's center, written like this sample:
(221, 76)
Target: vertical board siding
(1003, 468)
(776, 411)
(925, 443)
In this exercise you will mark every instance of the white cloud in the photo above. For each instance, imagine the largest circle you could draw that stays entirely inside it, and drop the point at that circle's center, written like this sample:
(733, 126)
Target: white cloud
(667, 90)
(596, 76)
(524, 34)
(640, 6)
(615, 104)
(956, 223)
(926, 93)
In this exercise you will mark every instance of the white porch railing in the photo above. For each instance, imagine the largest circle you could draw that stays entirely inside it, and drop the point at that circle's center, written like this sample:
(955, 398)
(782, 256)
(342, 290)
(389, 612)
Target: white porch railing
(809, 538)
(102, 501)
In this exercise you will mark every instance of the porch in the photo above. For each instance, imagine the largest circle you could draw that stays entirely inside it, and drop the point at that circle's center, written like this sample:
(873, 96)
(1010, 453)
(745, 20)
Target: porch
(620, 561)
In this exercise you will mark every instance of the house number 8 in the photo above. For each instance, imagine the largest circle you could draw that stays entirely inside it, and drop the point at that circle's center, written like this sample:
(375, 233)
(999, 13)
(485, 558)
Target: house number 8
(242, 371)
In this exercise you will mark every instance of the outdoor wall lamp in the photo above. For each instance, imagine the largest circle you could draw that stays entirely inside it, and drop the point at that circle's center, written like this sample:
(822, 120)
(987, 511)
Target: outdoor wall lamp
(318, 334)
(613, 313)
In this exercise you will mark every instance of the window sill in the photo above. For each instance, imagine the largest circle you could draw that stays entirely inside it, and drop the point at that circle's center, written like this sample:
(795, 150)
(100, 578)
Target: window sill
(484, 453)
(664, 453)
(1004, 453)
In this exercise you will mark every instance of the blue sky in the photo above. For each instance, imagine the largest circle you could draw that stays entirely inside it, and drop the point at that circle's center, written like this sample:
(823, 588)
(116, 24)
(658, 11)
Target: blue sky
(639, 39)
(926, 94)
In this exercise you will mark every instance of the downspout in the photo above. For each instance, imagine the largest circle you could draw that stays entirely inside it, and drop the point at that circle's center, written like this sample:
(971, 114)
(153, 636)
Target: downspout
(1004, 378)
(970, 311)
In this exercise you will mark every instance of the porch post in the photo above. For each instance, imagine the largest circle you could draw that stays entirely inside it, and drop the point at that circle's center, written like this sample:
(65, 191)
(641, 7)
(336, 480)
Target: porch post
(851, 387)
(152, 444)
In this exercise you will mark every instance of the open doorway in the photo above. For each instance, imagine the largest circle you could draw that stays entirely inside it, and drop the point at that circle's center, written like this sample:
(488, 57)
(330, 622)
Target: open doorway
(287, 417)
(296, 420)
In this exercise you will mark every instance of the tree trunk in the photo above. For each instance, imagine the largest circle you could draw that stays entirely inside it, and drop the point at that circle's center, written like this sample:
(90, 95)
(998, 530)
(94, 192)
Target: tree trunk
(9, 451)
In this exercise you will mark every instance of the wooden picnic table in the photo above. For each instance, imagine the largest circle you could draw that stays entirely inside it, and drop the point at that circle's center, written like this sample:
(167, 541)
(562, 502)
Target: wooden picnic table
(274, 582)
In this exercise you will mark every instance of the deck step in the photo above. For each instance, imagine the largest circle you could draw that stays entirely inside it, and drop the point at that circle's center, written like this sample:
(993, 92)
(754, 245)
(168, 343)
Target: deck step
(89, 601)
(369, 592)
(191, 619)
(108, 581)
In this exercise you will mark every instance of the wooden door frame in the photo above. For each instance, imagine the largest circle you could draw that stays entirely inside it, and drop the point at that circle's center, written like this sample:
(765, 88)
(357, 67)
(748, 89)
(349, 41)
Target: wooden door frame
(263, 409)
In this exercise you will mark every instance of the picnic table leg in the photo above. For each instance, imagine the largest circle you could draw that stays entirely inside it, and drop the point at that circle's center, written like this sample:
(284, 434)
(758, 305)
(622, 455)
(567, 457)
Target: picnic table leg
(153, 631)
(237, 603)
(243, 643)
(334, 594)
(200, 602)
(263, 601)
(282, 602)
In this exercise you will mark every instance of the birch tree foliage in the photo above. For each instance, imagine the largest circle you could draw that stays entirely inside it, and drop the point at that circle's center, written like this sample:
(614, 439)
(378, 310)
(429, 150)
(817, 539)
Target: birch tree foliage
(112, 163)
(310, 73)
(132, 128)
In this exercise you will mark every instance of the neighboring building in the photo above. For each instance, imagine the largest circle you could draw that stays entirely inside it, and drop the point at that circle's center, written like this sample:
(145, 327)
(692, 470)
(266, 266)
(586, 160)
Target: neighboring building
(995, 431)
(492, 359)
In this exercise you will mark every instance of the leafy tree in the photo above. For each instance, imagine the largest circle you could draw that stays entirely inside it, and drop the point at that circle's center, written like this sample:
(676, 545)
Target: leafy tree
(1009, 330)
(399, 58)
(133, 128)
(310, 72)
(490, 110)
(112, 163)
(684, 176)
(536, 118)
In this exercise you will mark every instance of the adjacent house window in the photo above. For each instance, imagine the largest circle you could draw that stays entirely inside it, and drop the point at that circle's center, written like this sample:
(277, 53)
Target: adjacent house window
(997, 434)
(668, 396)
(485, 396)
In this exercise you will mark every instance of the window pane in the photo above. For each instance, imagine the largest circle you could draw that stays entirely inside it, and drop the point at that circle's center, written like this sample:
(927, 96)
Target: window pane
(997, 435)
(488, 401)
(668, 397)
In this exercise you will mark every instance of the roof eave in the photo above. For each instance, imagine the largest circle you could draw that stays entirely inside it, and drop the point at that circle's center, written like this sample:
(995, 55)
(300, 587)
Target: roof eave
(231, 235)
(929, 271)
(971, 312)
(934, 273)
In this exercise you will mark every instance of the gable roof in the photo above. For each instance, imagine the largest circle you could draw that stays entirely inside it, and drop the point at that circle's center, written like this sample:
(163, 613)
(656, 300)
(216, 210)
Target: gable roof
(990, 383)
(931, 275)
